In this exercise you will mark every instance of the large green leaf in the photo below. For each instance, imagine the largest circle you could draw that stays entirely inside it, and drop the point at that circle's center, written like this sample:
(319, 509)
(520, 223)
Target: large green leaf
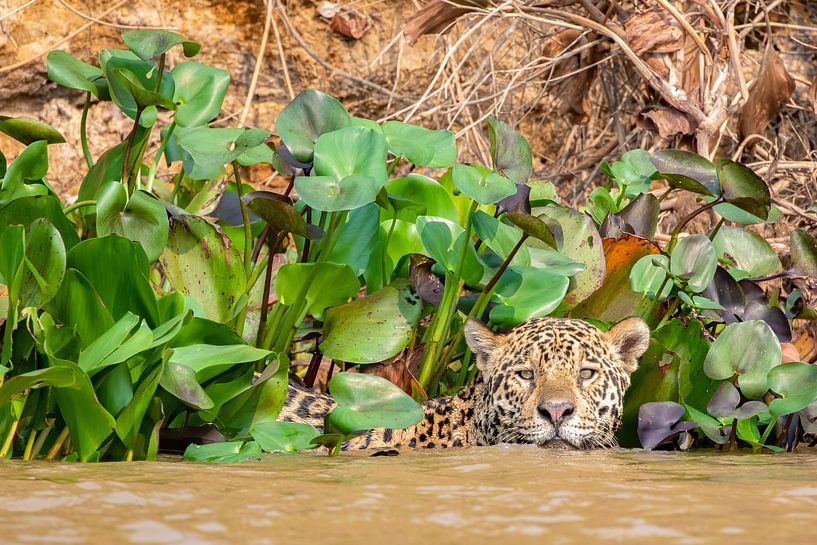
(28, 130)
(687, 170)
(200, 262)
(27, 210)
(747, 349)
(694, 260)
(366, 402)
(796, 383)
(445, 242)
(132, 82)
(358, 239)
(284, 436)
(648, 275)
(150, 43)
(128, 336)
(140, 218)
(71, 72)
(481, 184)
(332, 284)
(232, 452)
(510, 152)
(118, 270)
(129, 420)
(200, 91)
(749, 251)
(180, 381)
(306, 118)
(211, 149)
(349, 168)
(77, 303)
(45, 264)
(527, 293)
(31, 164)
(743, 188)
(208, 360)
(372, 328)
(421, 146)
(415, 195)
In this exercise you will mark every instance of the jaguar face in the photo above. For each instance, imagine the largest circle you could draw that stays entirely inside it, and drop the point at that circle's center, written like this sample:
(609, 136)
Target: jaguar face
(555, 382)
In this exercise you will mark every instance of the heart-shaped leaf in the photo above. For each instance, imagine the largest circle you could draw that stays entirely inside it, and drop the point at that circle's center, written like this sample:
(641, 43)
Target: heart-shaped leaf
(142, 218)
(421, 146)
(200, 91)
(641, 215)
(510, 152)
(632, 173)
(533, 227)
(445, 241)
(425, 196)
(309, 115)
(743, 188)
(366, 402)
(373, 328)
(658, 421)
(796, 383)
(71, 72)
(747, 349)
(649, 274)
(211, 149)
(150, 43)
(284, 436)
(725, 401)
(749, 251)
(135, 76)
(332, 285)
(527, 293)
(481, 184)
(28, 130)
(277, 211)
(694, 260)
(687, 170)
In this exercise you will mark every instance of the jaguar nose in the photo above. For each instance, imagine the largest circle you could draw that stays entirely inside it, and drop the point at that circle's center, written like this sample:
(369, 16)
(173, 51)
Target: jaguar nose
(556, 412)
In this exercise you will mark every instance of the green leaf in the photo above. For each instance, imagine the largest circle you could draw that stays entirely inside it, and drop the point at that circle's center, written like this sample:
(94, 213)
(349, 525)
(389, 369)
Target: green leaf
(144, 98)
(277, 211)
(45, 264)
(27, 210)
(349, 168)
(180, 381)
(233, 452)
(749, 251)
(259, 403)
(31, 164)
(730, 212)
(421, 146)
(510, 152)
(57, 377)
(527, 293)
(128, 336)
(28, 130)
(284, 436)
(199, 261)
(796, 383)
(130, 418)
(211, 149)
(649, 273)
(366, 402)
(534, 227)
(200, 91)
(358, 239)
(687, 170)
(134, 83)
(142, 218)
(699, 302)
(306, 118)
(633, 172)
(372, 328)
(749, 349)
(150, 43)
(332, 285)
(71, 72)
(208, 360)
(804, 252)
(444, 242)
(77, 303)
(500, 238)
(694, 260)
(415, 195)
(482, 185)
(743, 188)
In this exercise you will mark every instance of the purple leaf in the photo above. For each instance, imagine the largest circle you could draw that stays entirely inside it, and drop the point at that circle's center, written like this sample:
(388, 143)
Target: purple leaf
(658, 421)
(725, 401)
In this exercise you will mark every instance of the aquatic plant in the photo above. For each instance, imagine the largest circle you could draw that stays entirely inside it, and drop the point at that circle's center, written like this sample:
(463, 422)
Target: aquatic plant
(147, 305)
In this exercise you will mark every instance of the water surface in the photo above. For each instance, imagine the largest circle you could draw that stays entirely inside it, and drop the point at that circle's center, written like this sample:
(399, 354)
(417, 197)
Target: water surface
(498, 495)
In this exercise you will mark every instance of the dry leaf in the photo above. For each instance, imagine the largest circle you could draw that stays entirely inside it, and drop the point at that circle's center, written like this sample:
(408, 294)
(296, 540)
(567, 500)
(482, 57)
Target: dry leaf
(812, 95)
(772, 89)
(399, 370)
(653, 31)
(437, 17)
(351, 24)
(572, 92)
(670, 122)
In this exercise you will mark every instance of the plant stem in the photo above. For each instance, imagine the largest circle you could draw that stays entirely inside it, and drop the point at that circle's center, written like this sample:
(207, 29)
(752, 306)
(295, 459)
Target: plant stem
(386, 251)
(154, 166)
(83, 136)
(657, 300)
(58, 443)
(42, 436)
(77, 205)
(717, 228)
(29, 445)
(620, 195)
(245, 217)
(9, 439)
(670, 310)
(131, 137)
(392, 165)
(691, 216)
(768, 430)
(265, 298)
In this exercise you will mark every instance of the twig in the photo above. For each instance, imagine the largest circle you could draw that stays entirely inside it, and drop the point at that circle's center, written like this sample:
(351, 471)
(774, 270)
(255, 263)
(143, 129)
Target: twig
(106, 23)
(258, 59)
(280, 47)
(688, 28)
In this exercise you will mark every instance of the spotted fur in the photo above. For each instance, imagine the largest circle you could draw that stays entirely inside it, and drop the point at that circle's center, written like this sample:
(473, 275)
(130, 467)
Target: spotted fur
(548, 381)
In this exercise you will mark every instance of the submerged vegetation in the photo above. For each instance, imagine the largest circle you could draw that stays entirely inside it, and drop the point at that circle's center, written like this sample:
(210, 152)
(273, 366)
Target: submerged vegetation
(147, 305)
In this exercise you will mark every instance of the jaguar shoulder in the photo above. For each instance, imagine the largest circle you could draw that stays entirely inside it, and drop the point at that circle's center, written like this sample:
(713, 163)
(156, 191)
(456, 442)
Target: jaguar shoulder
(547, 381)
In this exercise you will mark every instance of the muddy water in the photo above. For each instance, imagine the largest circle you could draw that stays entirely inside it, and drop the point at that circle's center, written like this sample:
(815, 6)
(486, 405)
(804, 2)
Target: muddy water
(488, 495)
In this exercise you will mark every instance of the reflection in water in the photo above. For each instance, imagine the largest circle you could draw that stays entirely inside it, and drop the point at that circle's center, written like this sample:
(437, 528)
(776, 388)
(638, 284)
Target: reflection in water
(480, 495)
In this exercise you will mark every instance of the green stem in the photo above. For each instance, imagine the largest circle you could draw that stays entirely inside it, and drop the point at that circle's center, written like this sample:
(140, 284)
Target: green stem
(657, 300)
(245, 217)
(154, 167)
(386, 249)
(29, 445)
(9, 439)
(620, 195)
(717, 228)
(128, 148)
(83, 135)
(672, 307)
(392, 165)
(691, 216)
(77, 205)
(768, 430)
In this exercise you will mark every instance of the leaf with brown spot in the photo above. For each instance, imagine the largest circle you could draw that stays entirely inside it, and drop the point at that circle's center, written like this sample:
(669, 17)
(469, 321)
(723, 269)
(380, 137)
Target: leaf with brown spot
(773, 87)
(614, 300)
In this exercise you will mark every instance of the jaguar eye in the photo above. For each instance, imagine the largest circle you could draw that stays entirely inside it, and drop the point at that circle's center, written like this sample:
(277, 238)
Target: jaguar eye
(525, 374)
(587, 374)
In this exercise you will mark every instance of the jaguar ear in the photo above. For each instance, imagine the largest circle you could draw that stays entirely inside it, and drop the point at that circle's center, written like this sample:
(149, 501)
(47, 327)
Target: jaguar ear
(630, 337)
(482, 342)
